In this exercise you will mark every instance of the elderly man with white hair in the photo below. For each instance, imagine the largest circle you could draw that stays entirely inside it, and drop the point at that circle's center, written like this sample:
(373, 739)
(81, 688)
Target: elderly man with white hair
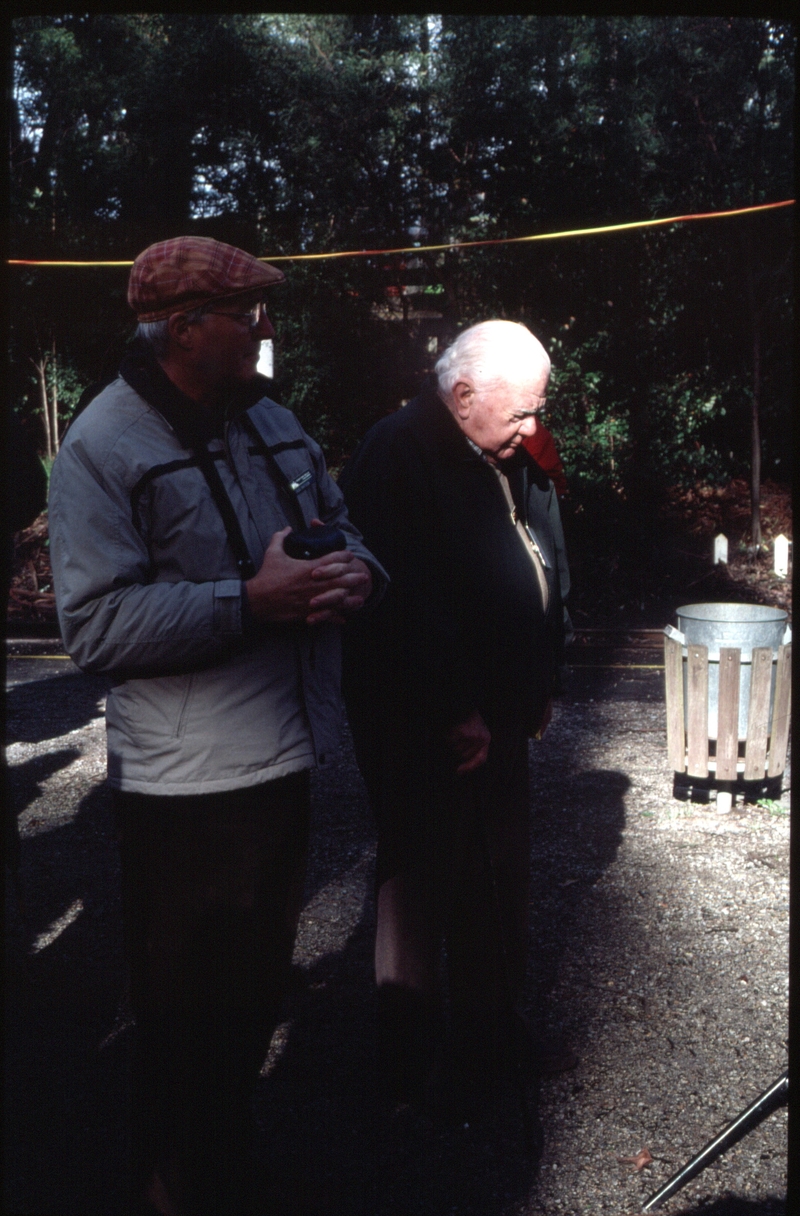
(444, 685)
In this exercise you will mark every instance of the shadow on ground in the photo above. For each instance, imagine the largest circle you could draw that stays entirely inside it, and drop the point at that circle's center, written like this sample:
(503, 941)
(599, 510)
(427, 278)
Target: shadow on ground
(65, 1135)
(326, 1145)
(323, 1145)
(47, 708)
(730, 1205)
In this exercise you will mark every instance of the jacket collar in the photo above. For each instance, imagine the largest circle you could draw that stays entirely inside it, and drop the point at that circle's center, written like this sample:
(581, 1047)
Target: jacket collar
(192, 423)
(434, 424)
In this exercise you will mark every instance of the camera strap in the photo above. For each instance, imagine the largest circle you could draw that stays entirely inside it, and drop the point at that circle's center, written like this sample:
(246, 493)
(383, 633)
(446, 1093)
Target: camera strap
(205, 461)
(279, 476)
(208, 468)
(142, 371)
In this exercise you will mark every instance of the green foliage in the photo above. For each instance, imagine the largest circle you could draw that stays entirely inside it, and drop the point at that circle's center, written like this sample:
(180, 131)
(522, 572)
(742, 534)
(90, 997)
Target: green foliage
(292, 133)
(68, 384)
(690, 435)
(593, 438)
(337, 366)
(773, 806)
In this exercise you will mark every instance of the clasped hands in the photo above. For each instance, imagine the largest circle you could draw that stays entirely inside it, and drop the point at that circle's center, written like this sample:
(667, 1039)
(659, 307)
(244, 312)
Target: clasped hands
(329, 588)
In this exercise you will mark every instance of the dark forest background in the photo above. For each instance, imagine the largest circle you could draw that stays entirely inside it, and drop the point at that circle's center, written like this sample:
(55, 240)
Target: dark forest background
(292, 134)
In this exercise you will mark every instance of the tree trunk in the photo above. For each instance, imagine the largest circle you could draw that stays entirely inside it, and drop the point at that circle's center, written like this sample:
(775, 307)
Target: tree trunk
(54, 401)
(755, 474)
(755, 431)
(41, 373)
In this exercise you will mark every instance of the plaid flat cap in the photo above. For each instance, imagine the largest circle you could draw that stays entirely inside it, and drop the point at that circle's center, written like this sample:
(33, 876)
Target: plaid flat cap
(188, 271)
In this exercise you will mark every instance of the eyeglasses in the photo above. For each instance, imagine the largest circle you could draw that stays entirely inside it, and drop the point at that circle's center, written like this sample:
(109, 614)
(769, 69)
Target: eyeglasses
(252, 318)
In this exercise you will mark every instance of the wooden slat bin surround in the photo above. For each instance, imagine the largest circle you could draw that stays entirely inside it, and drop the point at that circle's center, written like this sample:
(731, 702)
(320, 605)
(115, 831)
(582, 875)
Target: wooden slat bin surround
(762, 753)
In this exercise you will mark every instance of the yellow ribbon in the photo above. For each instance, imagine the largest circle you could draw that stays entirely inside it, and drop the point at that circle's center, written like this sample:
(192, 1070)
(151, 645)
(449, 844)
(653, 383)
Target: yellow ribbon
(508, 240)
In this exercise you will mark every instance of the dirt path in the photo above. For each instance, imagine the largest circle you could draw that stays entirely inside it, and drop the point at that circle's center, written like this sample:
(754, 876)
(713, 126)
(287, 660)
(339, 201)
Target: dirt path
(659, 948)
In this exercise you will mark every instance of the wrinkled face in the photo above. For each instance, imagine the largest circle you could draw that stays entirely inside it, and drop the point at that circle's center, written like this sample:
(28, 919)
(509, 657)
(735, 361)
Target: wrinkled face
(499, 417)
(227, 340)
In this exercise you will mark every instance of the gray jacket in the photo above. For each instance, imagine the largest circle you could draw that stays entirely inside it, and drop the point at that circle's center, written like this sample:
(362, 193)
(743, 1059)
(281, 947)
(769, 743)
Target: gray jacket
(148, 590)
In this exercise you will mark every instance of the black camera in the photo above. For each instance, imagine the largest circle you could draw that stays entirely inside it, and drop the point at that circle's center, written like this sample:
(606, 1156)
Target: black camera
(314, 541)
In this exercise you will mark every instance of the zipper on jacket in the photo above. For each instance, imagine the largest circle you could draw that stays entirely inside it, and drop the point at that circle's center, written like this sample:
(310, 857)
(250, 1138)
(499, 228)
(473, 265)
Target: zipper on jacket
(535, 545)
(182, 714)
(226, 448)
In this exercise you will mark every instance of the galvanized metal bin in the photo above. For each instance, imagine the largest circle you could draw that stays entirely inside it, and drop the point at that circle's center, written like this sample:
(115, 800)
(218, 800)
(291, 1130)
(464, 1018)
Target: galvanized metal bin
(725, 626)
(728, 682)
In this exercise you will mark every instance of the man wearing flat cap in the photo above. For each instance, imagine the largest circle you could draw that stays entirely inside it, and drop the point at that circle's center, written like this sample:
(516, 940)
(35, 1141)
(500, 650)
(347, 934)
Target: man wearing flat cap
(169, 504)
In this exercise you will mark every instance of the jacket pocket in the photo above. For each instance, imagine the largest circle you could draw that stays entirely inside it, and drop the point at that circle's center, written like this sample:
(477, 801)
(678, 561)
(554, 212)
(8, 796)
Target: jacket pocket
(180, 723)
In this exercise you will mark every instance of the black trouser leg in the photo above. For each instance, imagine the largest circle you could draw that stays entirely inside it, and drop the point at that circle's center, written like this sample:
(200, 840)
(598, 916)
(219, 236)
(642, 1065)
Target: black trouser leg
(487, 916)
(463, 880)
(212, 890)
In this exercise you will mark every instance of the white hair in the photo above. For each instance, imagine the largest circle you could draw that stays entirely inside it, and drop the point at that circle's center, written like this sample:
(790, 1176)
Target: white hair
(155, 334)
(490, 353)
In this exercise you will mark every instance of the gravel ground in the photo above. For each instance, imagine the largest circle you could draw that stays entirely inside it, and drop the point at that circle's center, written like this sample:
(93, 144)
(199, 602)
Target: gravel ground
(670, 975)
(659, 950)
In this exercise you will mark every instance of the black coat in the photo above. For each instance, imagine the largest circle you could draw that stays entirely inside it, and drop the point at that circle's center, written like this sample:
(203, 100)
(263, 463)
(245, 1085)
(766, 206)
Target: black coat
(461, 626)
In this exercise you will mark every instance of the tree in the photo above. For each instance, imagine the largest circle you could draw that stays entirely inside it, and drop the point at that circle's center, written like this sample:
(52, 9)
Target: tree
(567, 122)
(325, 132)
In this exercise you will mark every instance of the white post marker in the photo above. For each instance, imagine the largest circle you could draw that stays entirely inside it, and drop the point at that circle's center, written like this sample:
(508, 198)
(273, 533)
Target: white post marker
(720, 549)
(724, 801)
(266, 359)
(781, 549)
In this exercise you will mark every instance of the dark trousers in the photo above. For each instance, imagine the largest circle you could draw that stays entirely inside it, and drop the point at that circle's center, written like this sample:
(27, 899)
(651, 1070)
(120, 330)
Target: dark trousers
(462, 882)
(212, 888)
